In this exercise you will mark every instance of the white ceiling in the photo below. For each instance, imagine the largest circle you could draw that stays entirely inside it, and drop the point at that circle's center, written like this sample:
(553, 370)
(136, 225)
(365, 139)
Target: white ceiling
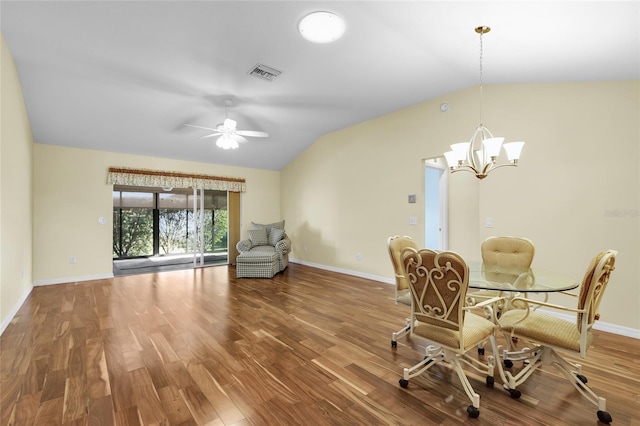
(126, 76)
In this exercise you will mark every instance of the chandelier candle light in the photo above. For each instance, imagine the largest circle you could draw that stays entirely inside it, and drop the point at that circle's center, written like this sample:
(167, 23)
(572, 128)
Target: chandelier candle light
(480, 154)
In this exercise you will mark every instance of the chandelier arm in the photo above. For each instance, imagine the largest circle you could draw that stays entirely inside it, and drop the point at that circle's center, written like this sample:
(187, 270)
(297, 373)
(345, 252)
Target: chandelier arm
(497, 166)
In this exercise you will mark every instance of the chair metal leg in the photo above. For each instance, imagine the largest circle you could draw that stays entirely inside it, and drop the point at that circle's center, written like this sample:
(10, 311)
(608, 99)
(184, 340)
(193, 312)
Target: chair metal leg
(435, 354)
(395, 336)
(534, 358)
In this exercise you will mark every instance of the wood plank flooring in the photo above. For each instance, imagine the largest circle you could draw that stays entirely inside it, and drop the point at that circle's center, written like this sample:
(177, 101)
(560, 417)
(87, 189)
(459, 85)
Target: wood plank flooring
(308, 347)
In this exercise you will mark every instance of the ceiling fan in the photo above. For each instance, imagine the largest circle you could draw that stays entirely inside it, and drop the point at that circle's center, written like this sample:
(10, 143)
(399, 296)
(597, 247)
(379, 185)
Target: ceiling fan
(230, 137)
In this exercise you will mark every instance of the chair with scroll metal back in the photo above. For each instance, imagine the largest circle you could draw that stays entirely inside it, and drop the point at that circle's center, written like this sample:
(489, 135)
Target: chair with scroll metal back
(438, 282)
(550, 335)
(395, 245)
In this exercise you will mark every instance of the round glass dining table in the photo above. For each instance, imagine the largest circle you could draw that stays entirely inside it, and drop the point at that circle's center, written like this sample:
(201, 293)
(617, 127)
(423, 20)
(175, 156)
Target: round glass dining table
(507, 279)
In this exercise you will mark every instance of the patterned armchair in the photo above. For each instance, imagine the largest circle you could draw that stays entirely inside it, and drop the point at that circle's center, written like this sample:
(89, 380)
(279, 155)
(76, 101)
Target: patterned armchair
(269, 238)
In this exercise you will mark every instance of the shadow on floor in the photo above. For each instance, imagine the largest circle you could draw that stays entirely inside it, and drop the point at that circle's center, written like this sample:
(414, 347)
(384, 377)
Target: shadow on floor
(152, 264)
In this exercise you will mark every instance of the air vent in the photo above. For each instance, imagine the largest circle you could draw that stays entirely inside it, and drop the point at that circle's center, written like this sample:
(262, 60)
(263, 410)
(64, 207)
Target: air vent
(264, 72)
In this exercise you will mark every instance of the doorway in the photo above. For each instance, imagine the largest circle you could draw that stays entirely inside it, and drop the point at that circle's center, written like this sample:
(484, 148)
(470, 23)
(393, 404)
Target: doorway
(436, 210)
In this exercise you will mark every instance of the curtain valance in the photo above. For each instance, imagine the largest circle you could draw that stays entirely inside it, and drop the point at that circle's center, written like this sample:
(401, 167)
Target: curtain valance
(156, 178)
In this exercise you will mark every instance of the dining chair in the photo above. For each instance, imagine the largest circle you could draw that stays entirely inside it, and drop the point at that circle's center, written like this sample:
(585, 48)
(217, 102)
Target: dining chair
(396, 245)
(551, 335)
(438, 283)
(503, 257)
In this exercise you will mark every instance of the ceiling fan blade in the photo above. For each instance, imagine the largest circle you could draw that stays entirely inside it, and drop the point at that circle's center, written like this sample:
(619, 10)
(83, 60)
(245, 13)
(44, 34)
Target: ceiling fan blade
(252, 133)
(212, 135)
(239, 138)
(200, 127)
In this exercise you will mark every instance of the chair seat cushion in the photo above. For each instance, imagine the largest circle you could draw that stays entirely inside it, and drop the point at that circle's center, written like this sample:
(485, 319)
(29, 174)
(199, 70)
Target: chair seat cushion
(476, 329)
(543, 328)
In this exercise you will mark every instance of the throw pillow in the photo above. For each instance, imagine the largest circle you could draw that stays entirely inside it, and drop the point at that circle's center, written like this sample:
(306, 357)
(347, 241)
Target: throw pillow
(275, 235)
(258, 237)
(269, 226)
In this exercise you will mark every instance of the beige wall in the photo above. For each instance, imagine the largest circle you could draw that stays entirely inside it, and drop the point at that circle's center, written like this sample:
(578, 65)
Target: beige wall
(71, 193)
(348, 192)
(575, 192)
(16, 146)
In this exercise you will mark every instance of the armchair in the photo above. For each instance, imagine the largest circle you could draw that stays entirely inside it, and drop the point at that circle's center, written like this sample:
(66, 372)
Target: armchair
(396, 245)
(549, 334)
(267, 240)
(501, 256)
(438, 282)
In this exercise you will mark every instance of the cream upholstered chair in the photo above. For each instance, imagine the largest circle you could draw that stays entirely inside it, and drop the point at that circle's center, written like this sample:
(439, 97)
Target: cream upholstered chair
(507, 252)
(504, 255)
(503, 258)
(396, 245)
(550, 334)
(438, 282)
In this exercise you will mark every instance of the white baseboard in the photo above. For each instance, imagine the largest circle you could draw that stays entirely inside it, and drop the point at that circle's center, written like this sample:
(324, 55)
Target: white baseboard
(73, 279)
(599, 325)
(344, 271)
(6, 321)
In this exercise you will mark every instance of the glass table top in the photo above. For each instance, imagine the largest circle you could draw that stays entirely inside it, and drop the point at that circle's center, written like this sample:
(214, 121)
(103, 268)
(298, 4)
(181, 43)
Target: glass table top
(536, 280)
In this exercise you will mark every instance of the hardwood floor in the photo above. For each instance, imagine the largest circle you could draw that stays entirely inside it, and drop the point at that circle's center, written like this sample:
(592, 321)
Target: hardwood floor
(309, 347)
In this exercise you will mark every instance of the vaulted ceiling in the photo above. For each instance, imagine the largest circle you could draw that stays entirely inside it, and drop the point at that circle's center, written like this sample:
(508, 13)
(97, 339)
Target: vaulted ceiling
(127, 76)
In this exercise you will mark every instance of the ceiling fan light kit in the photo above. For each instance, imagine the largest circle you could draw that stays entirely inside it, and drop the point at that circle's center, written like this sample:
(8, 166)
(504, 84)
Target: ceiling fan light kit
(480, 155)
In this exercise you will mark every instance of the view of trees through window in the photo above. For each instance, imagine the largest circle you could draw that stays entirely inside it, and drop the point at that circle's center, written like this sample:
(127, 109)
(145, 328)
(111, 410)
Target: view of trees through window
(161, 223)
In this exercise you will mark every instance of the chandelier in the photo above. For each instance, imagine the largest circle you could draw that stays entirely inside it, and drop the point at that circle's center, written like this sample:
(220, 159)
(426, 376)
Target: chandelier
(480, 155)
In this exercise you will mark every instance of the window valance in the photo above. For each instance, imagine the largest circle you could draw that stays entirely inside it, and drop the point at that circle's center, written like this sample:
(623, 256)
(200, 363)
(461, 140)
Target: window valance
(156, 178)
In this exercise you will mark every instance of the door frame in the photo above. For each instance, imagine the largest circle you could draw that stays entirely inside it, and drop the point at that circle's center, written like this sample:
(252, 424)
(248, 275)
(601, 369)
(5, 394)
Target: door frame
(443, 199)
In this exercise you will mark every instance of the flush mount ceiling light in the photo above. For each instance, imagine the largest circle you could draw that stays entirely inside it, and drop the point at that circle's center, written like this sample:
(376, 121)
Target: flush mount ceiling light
(321, 27)
(480, 155)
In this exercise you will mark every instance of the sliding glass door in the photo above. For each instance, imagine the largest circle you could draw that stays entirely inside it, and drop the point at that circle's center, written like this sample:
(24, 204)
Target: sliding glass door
(155, 223)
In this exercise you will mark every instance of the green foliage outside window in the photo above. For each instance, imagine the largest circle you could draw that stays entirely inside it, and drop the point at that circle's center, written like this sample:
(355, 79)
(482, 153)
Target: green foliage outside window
(137, 232)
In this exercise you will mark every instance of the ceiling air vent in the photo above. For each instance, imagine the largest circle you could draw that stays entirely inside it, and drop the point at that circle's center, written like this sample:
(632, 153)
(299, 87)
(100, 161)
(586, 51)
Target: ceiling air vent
(264, 72)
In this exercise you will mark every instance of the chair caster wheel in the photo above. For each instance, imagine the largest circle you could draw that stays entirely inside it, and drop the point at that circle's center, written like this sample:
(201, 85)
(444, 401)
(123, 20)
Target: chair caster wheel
(473, 412)
(514, 393)
(394, 344)
(582, 378)
(403, 383)
(604, 417)
(508, 363)
(490, 381)
(480, 351)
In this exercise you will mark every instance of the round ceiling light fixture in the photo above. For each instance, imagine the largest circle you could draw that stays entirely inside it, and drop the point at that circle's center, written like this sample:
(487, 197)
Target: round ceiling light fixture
(321, 27)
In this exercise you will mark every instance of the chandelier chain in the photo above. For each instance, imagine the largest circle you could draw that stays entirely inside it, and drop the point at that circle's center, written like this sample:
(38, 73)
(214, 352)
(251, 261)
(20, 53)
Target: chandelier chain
(481, 53)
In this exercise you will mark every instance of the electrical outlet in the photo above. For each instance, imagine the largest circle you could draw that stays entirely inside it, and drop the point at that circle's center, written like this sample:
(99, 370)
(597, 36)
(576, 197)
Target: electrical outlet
(488, 223)
(413, 220)
(72, 259)
(358, 256)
